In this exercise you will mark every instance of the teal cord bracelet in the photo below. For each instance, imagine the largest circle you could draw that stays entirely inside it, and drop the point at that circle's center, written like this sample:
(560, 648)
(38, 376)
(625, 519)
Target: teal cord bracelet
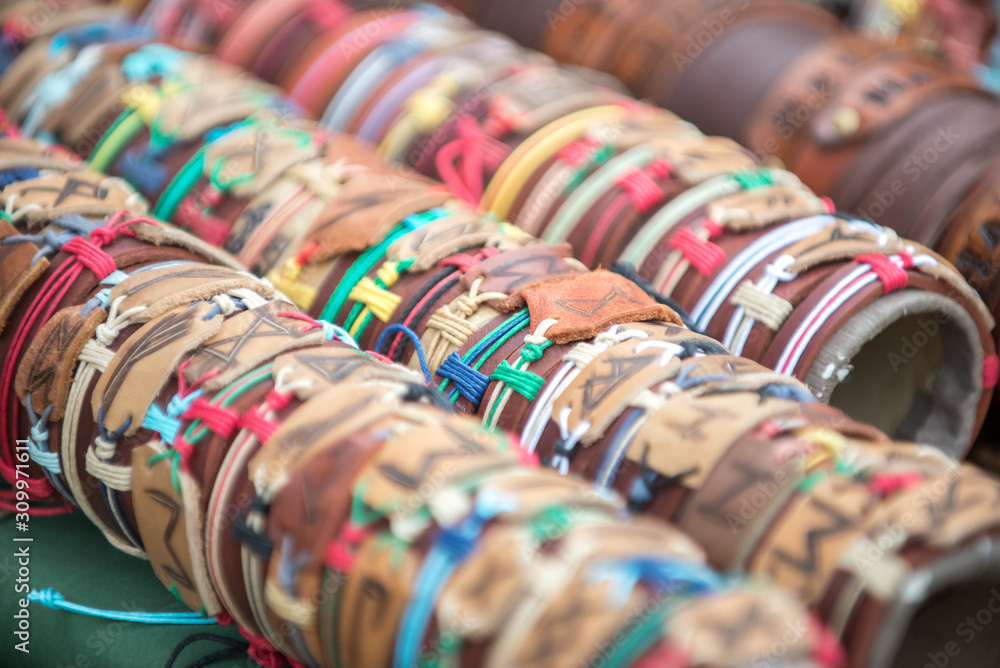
(50, 598)
(367, 261)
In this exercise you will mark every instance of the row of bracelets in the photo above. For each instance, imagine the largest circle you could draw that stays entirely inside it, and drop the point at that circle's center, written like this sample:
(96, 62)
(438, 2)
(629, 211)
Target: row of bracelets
(193, 382)
(317, 496)
(760, 262)
(896, 132)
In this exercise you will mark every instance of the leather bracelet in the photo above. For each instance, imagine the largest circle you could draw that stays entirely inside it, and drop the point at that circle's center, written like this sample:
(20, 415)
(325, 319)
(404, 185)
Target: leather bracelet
(398, 92)
(322, 73)
(427, 29)
(248, 34)
(760, 81)
(296, 34)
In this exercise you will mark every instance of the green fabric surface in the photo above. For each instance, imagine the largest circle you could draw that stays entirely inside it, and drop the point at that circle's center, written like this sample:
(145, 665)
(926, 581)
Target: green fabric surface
(70, 555)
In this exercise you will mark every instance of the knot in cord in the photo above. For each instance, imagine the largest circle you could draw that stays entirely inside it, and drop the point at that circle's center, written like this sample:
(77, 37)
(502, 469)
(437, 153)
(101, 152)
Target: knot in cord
(525, 383)
(469, 382)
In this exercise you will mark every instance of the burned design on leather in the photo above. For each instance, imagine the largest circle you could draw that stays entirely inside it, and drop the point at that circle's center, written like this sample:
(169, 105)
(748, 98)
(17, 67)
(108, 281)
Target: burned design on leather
(841, 241)
(746, 475)
(163, 525)
(803, 551)
(759, 207)
(459, 231)
(372, 602)
(697, 158)
(481, 595)
(452, 452)
(322, 420)
(446, 230)
(165, 288)
(589, 303)
(48, 367)
(879, 96)
(684, 439)
(690, 343)
(595, 398)
(249, 221)
(737, 500)
(549, 640)
(18, 270)
(944, 510)
(575, 626)
(195, 110)
(77, 192)
(251, 158)
(334, 364)
(367, 207)
(314, 509)
(973, 246)
(948, 274)
(811, 79)
(142, 366)
(24, 152)
(514, 270)
(725, 630)
(247, 340)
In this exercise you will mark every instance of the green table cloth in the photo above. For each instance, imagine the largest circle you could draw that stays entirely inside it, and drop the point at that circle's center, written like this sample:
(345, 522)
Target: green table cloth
(69, 554)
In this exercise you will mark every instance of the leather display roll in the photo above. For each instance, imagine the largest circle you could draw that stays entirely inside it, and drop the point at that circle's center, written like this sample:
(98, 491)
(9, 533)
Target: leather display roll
(181, 387)
(352, 464)
(567, 157)
(892, 132)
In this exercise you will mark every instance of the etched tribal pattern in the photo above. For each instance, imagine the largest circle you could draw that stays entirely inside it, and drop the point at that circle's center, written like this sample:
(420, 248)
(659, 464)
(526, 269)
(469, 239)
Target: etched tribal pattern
(176, 570)
(171, 328)
(592, 307)
(72, 187)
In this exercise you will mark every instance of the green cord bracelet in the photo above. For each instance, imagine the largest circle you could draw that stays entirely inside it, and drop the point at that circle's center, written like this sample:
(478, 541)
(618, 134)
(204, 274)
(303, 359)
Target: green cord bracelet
(529, 389)
(114, 141)
(523, 314)
(190, 174)
(367, 260)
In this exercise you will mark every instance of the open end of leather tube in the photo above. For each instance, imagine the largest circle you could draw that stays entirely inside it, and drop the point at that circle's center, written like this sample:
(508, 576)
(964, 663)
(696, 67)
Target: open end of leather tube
(910, 364)
(955, 621)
